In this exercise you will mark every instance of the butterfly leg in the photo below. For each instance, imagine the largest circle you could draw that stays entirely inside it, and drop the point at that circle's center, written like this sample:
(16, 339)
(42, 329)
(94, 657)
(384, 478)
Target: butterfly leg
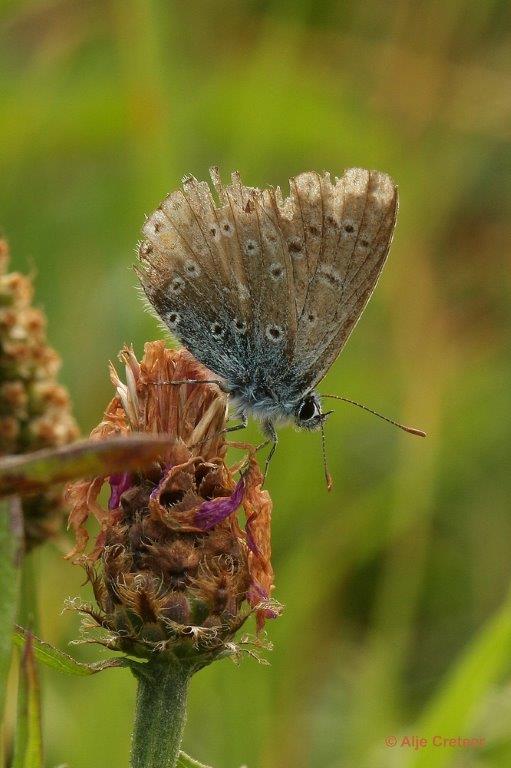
(272, 438)
(219, 384)
(235, 427)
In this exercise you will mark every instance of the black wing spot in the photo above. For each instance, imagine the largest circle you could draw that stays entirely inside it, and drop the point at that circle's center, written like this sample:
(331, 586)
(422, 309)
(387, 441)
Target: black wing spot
(173, 319)
(251, 247)
(216, 330)
(276, 271)
(274, 333)
(329, 276)
(177, 284)
(192, 268)
(295, 246)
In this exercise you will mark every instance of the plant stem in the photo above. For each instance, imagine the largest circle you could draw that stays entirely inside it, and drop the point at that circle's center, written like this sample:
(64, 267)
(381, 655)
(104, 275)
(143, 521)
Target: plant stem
(28, 615)
(11, 553)
(160, 714)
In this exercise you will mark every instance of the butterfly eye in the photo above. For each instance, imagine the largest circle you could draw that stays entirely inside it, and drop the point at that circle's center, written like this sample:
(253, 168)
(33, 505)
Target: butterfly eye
(308, 409)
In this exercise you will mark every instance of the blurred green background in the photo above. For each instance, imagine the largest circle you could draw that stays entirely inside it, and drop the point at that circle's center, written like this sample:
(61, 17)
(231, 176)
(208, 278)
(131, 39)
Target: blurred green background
(398, 619)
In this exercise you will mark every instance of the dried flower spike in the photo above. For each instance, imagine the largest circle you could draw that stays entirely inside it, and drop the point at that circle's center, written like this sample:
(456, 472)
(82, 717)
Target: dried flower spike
(173, 572)
(35, 410)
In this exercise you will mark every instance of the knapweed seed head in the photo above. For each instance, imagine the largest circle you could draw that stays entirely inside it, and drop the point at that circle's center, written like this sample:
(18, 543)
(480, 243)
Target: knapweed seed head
(35, 410)
(172, 569)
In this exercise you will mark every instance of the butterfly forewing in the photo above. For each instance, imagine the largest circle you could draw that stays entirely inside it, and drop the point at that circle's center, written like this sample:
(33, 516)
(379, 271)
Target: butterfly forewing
(359, 216)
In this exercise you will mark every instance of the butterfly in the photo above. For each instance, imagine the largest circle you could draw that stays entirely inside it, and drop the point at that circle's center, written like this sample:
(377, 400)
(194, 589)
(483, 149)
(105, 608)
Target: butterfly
(266, 290)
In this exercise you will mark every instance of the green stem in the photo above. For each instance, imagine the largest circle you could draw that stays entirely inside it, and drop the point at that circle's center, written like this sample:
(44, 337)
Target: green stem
(160, 714)
(28, 615)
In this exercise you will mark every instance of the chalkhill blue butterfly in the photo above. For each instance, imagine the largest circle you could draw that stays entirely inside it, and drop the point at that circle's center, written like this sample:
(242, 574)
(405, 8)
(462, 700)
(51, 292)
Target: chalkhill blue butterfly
(265, 290)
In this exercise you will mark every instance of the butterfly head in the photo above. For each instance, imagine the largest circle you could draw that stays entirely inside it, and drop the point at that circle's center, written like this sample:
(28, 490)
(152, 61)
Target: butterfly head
(308, 414)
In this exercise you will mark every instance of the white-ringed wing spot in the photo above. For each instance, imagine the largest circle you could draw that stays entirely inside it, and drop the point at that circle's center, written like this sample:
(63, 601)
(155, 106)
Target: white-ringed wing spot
(192, 268)
(276, 271)
(274, 333)
(177, 284)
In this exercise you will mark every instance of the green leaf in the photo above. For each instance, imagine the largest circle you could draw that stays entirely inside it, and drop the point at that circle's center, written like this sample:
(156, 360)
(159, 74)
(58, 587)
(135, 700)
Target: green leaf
(11, 536)
(28, 749)
(34, 472)
(62, 662)
(185, 761)
(449, 714)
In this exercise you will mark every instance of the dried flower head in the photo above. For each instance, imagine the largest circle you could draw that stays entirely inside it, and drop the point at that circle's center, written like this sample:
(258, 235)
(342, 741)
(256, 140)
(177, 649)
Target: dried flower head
(35, 410)
(172, 569)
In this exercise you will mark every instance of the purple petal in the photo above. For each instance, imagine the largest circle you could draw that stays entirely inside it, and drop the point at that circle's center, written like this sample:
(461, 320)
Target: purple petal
(118, 484)
(257, 594)
(156, 491)
(251, 544)
(250, 541)
(210, 513)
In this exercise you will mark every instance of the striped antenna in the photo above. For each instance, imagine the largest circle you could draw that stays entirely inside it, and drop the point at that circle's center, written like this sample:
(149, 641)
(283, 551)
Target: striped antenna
(410, 430)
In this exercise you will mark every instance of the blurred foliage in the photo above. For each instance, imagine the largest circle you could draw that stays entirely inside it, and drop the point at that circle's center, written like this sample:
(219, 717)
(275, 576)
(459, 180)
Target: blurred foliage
(392, 577)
